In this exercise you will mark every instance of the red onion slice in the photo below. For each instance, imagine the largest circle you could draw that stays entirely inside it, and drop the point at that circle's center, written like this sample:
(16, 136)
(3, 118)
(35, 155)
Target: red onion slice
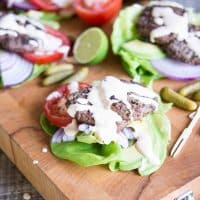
(58, 136)
(17, 73)
(24, 5)
(7, 60)
(176, 70)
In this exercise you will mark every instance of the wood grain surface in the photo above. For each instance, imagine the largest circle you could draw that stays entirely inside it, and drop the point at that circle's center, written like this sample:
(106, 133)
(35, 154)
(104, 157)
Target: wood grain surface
(22, 139)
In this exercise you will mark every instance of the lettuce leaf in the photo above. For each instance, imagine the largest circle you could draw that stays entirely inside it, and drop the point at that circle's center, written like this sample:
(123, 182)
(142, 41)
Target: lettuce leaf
(159, 129)
(38, 69)
(86, 154)
(138, 68)
(50, 19)
(156, 125)
(46, 126)
(124, 31)
(124, 28)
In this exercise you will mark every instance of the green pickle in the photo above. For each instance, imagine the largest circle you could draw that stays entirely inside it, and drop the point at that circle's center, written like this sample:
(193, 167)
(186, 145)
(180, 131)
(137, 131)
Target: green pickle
(190, 89)
(180, 101)
(58, 68)
(196, 96)
(78, 76)
(57, 77)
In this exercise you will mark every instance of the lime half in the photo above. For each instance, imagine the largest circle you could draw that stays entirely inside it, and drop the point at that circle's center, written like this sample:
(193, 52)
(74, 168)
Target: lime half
(91, 47)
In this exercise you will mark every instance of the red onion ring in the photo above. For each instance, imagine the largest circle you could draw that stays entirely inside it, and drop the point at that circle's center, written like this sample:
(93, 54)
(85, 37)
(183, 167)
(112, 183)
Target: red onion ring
(177, 70)
(14, 69)
(58, 136)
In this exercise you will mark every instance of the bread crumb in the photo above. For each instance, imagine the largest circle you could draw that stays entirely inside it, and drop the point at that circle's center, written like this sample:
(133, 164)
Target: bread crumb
(44, 150)
(35, 162)
(26, 196)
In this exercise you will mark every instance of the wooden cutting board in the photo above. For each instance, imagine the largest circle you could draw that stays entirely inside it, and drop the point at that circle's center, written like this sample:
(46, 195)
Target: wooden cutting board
(22, 139)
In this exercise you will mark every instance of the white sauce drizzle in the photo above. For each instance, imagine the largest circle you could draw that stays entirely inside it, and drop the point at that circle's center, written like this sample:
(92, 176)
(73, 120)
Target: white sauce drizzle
(71, 131)
(47, 42)
(73, 87)
(170, 22)
(105, 119)
(194, 42)
(62, 3)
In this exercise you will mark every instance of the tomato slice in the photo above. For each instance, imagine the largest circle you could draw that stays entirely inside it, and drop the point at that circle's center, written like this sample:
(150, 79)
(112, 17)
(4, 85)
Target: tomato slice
(48, 58)
(43, 59)
(99, 13)
(45, 5)
(55, 109)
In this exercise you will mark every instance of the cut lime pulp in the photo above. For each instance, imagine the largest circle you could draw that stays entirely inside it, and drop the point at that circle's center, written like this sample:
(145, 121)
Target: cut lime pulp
(91, 47)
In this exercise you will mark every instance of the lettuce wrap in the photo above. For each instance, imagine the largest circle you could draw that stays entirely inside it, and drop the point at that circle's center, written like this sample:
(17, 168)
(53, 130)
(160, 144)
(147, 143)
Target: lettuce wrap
(134, 51)
(90, 153)
(50, 19)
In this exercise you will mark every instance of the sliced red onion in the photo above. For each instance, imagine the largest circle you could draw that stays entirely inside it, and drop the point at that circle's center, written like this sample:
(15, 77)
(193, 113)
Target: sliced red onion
(15, 70)
(7, 60)
(60, 136)
(24, 5)
(176, 70)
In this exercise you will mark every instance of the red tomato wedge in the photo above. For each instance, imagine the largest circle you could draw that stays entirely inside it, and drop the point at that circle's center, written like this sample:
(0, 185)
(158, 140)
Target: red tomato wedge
(55, 109)
(99, 13)
(43, 59)
(48, 58)
(45, 5)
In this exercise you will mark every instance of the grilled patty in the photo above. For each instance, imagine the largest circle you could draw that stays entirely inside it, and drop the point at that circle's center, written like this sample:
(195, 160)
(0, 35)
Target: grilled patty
(179, 49)
(138, 109)
(20, 43)
(14, 41)
(174, 48)
(146, 24)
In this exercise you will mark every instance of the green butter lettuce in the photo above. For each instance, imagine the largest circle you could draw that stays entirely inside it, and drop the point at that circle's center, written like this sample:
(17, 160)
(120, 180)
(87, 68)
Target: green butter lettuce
(85, 150)
(134, 53)
(50, 19)
(86, 154)
(38, 69)
(89, 139)
(138, 68)
(124, 28)
(143, 50)
(46, 125)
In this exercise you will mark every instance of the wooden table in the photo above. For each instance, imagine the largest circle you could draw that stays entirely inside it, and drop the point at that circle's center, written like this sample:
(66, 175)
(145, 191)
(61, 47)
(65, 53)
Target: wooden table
(22, 139)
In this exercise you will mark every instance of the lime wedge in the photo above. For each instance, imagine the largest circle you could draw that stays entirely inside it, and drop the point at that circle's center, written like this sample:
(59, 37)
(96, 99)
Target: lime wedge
(91, 47)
